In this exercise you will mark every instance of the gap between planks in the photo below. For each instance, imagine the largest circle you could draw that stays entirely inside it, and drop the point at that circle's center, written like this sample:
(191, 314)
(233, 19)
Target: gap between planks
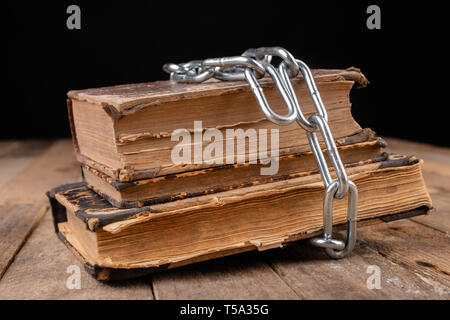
(40, 271)
(22, 199)
(15, 233)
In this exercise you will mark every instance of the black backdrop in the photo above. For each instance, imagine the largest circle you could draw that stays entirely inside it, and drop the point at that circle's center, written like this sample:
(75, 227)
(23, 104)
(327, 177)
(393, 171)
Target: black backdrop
(128, 42)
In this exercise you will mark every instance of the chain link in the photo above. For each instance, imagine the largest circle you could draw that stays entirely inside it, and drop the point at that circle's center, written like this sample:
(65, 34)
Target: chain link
(252, 65)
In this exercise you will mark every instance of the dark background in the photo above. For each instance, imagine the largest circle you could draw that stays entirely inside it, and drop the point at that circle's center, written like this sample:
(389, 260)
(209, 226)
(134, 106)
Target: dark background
(127, 42)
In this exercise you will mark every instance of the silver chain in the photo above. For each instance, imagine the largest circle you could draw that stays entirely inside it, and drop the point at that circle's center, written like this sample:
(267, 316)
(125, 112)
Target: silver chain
(253, 65)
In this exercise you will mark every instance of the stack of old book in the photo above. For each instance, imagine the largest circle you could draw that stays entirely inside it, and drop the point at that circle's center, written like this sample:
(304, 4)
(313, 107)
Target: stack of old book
(172, 174)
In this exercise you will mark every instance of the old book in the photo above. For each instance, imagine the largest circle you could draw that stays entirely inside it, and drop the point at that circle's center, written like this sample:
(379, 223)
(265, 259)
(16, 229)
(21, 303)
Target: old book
(121, 243)
(354, 149)
(125, 131)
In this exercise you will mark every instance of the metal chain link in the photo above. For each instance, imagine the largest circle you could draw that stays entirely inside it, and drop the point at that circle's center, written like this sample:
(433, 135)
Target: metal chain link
(252, 65)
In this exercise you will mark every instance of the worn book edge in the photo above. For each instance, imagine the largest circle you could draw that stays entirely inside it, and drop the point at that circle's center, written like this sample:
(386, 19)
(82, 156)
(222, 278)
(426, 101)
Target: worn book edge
(104, 214)
(130, 174)
(120, 186)
(129, 98)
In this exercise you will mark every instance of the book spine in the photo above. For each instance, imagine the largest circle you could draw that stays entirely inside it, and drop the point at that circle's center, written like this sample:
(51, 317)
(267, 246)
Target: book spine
(72, 126)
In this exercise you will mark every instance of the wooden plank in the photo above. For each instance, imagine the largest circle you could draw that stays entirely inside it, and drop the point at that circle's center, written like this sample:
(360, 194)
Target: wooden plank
(23, 200)
(22, 148)
(16, 222)
(438, 186)
(6, 145)
(55, 166)
(15, 156)
(436, 172)
(439, 218)
(414, 246)
(313, 275)
(436, 182)
(39, 271)
(242, 276)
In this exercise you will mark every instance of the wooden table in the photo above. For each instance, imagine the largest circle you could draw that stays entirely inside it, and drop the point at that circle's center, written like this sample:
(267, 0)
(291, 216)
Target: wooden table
(413, 255)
